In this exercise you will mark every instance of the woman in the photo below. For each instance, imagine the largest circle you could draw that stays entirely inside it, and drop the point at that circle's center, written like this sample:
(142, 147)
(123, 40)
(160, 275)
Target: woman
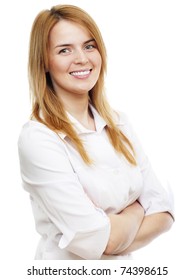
(94, 194)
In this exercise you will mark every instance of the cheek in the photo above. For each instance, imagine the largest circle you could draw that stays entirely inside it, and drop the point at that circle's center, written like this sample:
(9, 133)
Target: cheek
(97, 61)
(58, 66)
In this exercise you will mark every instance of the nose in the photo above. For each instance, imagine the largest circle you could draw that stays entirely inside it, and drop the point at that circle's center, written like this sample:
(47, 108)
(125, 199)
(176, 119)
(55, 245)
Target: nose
(80, 57)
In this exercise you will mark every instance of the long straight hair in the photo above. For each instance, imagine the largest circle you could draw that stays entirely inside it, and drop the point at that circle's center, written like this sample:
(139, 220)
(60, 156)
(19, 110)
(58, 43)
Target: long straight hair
(44, 98)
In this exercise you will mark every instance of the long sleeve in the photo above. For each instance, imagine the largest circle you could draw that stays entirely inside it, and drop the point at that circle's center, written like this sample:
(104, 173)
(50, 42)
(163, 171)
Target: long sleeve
(49, 178)
(155, 197)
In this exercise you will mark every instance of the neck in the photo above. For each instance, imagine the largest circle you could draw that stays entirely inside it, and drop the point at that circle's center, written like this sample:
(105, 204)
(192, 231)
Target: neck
(79, 108)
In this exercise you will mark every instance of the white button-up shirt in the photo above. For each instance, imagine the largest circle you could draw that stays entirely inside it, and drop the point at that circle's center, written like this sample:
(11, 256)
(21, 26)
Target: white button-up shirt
(71, 200)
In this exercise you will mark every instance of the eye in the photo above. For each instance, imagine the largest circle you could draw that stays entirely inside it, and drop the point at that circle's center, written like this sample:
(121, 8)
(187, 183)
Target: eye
(90, 47)
(65, 51)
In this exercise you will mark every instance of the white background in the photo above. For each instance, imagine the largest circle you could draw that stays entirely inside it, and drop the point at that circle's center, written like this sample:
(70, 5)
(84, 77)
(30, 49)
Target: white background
(150, 77)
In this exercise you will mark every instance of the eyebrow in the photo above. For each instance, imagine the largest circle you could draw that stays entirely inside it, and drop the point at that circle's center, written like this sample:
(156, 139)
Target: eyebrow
(66, 45)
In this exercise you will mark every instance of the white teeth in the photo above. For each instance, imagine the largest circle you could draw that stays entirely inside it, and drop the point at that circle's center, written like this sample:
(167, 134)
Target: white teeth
(80, 73)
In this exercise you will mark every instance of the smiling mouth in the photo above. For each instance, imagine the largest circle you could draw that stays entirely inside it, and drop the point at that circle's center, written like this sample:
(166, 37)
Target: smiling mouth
(81, 73)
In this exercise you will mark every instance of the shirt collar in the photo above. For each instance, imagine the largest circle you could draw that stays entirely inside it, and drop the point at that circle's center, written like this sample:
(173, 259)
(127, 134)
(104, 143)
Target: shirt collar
(80, 129)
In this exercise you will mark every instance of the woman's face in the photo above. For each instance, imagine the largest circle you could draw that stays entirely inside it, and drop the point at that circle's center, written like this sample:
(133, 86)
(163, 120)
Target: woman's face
(74, 60)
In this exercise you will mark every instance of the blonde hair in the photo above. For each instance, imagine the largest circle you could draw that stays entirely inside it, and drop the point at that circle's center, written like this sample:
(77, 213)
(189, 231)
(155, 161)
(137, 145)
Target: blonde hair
(44, 98)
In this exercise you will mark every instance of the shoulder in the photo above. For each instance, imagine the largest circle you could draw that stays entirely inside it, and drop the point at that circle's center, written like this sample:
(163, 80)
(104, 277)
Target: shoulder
(121, 118)
(33, 130)
(33, 134)
(40, 148)
(123, 122)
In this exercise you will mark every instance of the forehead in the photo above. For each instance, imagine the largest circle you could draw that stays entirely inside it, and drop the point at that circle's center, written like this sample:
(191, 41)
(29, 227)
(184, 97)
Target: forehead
(69, 32)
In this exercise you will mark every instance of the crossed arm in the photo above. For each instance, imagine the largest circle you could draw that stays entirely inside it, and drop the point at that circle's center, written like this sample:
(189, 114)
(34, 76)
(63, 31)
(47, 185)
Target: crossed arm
(131, 230)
